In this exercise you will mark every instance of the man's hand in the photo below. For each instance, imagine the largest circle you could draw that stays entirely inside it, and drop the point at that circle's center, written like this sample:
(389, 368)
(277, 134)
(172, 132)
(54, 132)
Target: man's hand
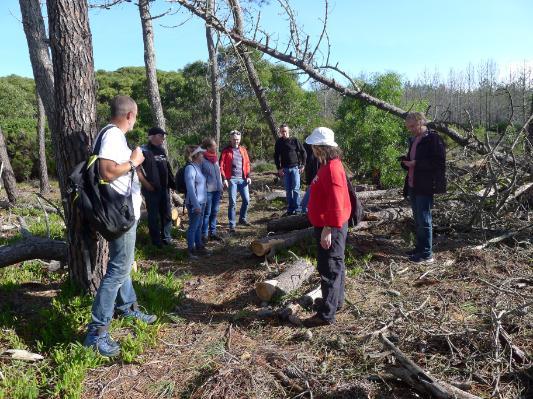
(137, 156)
(225, 183)
(280, 172)
(409, 164)
(248, 181)
(325, 237)
(301, 169)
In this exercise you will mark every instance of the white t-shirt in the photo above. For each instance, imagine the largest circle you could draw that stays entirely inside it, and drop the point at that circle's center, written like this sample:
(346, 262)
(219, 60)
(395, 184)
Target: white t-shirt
(115, 148)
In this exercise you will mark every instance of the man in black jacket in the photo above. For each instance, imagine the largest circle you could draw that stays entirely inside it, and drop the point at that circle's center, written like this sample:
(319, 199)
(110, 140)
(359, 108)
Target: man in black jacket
(156, 179)
(290, 156)
(425, 163)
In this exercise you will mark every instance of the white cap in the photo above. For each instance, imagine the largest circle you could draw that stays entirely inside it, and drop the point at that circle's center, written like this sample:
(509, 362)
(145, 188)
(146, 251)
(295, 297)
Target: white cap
(197, 150)
(235, 133)
(322, 136)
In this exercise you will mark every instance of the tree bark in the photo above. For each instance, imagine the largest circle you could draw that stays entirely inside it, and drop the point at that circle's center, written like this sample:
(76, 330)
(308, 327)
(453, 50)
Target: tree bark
(75, 100)
(33, 248)
(255, 82)
(266, 246)
(213, 76)
(8, 177)
(41, 63)
(291, 279)
(149, 61)
(44, 185)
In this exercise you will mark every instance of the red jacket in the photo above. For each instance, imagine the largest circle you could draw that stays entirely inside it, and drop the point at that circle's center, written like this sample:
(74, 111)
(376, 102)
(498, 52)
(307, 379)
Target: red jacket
(329, 201)
(226, 158)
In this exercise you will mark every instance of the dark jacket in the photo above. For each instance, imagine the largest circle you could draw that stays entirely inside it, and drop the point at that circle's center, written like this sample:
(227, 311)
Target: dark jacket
(312, 164)
(289, 153)
(430, 167)
(156, 167)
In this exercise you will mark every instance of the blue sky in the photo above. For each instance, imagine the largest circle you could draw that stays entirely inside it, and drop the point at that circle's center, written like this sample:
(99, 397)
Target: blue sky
(405, 36)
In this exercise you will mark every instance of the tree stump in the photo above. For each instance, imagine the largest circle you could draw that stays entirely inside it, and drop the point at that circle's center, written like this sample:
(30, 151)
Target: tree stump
(291, 279)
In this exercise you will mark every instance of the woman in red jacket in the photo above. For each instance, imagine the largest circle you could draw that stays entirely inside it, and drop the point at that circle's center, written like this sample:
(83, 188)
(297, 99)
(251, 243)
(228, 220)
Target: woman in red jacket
(328, 211)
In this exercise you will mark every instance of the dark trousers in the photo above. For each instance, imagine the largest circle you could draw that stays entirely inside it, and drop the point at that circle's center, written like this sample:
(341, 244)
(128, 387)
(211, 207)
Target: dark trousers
(421, 205)
(332, 270)
(159, 219)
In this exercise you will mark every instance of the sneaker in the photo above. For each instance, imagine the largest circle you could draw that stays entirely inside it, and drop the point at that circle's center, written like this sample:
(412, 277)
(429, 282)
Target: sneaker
(244, 222)
(102, 342)
(411, 252)
(417, 258)
(201, 251)
(315, 321)
(214, 237)
(231, 230)
(137, 314)
(205, 239)
(191, 255)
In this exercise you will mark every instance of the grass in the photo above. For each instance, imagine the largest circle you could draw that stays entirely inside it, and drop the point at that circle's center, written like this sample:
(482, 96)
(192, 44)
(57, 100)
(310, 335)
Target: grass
(54, 326)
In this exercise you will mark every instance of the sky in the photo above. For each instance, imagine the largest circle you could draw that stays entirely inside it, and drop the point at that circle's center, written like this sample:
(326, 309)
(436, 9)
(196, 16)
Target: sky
(366, 36)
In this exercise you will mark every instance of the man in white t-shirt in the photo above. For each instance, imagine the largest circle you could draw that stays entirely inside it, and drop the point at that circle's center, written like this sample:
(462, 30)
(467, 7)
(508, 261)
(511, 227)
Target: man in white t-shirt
(116, 163)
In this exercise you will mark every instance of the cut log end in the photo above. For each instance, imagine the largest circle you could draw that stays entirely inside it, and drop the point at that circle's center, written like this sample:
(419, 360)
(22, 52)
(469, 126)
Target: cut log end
(265, 290)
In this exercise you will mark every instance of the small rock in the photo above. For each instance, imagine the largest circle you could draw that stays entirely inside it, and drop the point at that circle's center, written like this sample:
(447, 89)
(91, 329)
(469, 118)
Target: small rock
(306, 335)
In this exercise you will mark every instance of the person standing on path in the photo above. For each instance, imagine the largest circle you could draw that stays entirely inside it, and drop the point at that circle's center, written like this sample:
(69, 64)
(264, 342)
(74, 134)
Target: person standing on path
(290, 157)
(195, 200)
(156, 179)
(116, 164)
(328, 211)
(211, 171)
(235, 170)
(425, 163)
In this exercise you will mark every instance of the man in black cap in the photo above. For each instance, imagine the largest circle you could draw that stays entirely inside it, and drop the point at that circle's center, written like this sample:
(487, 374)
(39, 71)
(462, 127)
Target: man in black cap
(156, 179)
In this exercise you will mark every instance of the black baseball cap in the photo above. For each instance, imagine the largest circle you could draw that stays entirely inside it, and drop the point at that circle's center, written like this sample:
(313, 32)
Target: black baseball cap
(156, 130)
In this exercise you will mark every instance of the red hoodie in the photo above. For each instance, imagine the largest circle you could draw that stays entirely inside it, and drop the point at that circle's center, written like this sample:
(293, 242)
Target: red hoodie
(329, 201)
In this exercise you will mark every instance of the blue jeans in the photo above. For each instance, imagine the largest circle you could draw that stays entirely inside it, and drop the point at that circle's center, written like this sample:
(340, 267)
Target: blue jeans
(305, 199)
(421, 205)
(234, 185)
(116, 289)
(159, 220)
(210, 213)
(291, 180)
(194, 232)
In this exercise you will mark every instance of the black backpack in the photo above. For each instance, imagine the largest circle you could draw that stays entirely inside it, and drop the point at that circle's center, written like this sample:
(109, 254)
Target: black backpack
(181, 187)
(107, 211)
(356, 215)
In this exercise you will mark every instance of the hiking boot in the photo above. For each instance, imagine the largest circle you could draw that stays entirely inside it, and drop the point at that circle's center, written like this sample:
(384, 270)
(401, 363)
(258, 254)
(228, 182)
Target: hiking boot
(214, 237)
(417, 258)
(231, 230)
(205, 239)
(202, 251)
(411, 252)
(244, 222)
(191, 255)
(137, 314)
(101, 342)
(315, 321)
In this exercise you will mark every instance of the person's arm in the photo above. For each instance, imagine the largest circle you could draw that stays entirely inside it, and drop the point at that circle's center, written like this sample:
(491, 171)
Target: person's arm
(110, 170)
(277, 155)
(302, 155)
(190, 175)
(144, 182)
(222, 163)
(437, 156)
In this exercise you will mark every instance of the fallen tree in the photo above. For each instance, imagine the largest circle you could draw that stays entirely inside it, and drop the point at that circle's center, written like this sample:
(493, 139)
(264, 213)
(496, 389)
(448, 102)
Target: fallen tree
(291, 279)
(33, 248)
(363, 195)
(296, 222)
(267, 245)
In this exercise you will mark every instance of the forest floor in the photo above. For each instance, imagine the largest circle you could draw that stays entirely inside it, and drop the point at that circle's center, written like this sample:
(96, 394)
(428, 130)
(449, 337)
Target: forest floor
(210, 341)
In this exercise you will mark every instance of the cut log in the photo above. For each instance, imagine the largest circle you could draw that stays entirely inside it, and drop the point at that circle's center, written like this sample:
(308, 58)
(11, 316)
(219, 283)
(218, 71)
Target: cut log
(175, 216)
(420, 380)
(296, 222)
(265, 245)
(309, 299)
(176, 199)
(33, 248)
(291, 279)
(274, 194)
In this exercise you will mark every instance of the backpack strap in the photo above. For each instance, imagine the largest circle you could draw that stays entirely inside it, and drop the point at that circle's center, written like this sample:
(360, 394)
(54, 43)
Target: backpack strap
(98, 143)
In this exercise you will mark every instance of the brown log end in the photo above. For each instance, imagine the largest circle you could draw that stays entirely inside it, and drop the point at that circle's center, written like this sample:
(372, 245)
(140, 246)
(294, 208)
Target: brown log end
(265, 290)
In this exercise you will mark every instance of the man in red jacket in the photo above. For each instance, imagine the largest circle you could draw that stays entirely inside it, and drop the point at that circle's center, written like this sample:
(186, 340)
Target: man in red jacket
(235, 171)
(328, 211)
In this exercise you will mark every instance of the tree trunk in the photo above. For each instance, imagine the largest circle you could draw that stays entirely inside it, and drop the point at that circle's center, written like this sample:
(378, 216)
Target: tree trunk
(33, 248)
(250, 69)
(213, 66)
(158, 118)
(291, 279)
(43, 169)
(75, 100)
(34, 28)
(8, 177)
(266, 245)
